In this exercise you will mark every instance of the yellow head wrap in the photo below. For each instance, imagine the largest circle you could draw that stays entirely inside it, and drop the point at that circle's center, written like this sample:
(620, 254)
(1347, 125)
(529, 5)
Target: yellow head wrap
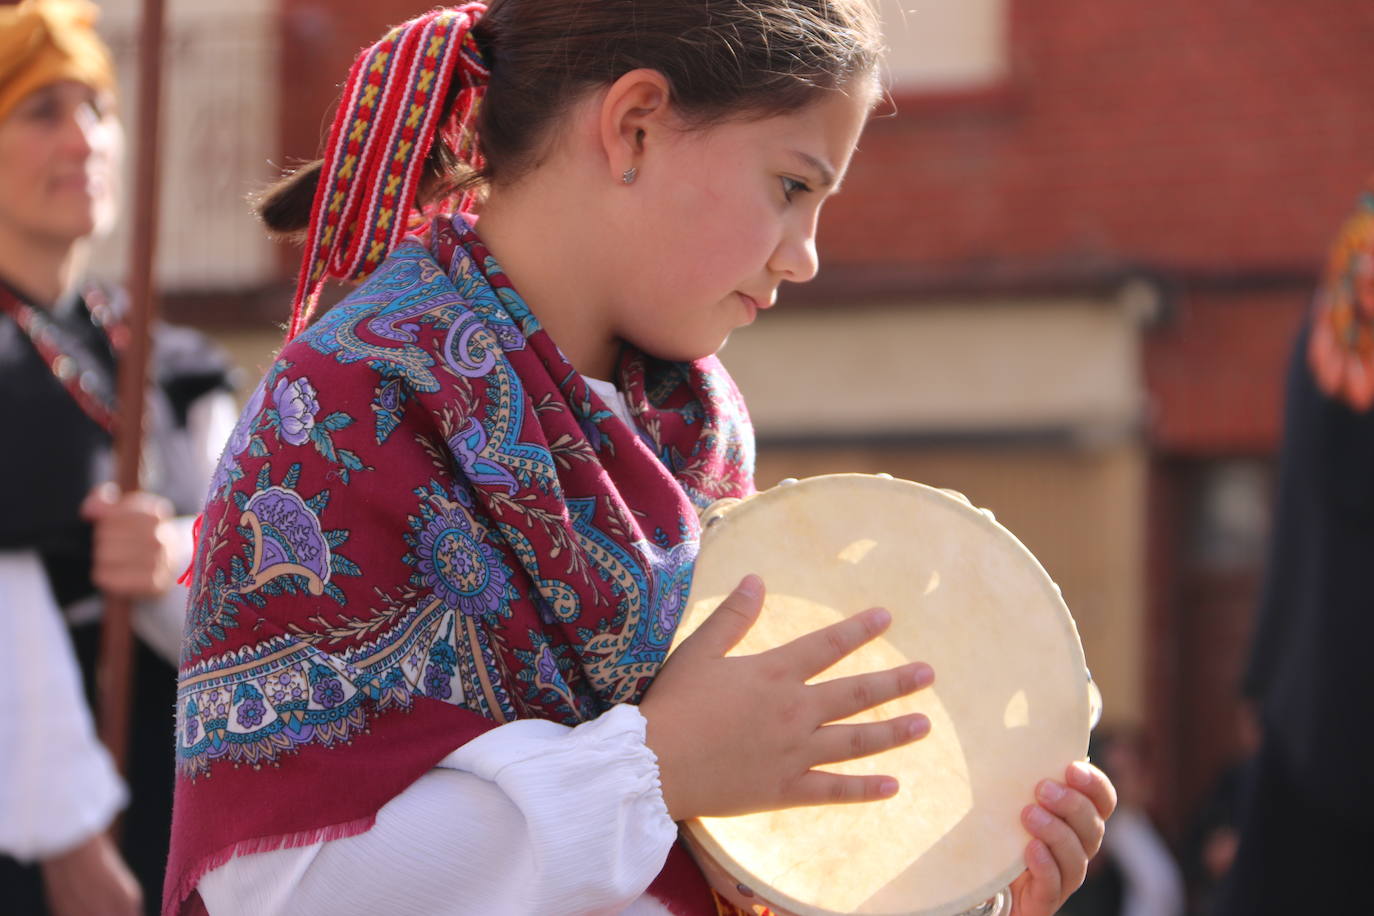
(46, 41)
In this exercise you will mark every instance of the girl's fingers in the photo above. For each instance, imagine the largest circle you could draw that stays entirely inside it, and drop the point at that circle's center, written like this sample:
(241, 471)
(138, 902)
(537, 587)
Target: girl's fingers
(1093, 783)
(1076, 809)
(816, 787)
(1044, 888)
(842, 697)
(729, 622)
(835, 743)
(811, 654)
(1063, 842)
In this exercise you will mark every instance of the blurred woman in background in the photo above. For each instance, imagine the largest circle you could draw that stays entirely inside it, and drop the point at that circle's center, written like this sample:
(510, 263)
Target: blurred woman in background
(65, 533)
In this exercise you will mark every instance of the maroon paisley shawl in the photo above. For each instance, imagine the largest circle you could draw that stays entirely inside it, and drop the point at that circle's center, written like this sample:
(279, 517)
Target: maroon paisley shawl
(424, 525)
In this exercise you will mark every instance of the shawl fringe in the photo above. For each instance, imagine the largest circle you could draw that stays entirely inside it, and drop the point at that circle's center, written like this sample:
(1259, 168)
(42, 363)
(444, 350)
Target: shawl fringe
(180, 903)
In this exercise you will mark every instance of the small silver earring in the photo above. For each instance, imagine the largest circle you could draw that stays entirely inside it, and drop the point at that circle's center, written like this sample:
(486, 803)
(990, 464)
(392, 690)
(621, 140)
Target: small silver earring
(629, 175)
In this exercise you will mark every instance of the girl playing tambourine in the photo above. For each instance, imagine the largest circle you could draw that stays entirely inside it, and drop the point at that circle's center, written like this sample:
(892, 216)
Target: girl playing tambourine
(451, 537)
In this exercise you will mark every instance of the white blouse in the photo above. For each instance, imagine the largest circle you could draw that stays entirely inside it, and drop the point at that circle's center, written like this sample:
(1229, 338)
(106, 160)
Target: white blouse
(531, 818)
(613, 397)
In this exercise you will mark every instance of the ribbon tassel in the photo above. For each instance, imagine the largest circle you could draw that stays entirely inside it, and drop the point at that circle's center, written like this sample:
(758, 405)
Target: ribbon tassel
(382, 135)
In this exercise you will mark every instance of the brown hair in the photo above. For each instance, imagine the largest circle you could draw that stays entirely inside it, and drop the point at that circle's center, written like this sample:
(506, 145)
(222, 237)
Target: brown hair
(722, 59)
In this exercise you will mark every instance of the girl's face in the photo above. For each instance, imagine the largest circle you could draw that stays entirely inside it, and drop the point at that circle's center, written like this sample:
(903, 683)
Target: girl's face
(722, 217)
(59, 155)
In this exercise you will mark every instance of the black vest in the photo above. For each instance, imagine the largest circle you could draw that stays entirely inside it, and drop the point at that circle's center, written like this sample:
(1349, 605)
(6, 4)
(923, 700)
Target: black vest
(53, 453)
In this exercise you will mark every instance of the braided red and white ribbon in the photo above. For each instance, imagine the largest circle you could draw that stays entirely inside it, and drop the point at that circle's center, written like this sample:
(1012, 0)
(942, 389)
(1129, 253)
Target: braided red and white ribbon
(382, 134)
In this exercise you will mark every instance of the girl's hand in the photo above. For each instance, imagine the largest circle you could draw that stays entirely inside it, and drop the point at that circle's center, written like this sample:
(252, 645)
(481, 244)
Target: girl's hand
(132, 537)
(1067, 824)
(742, 734)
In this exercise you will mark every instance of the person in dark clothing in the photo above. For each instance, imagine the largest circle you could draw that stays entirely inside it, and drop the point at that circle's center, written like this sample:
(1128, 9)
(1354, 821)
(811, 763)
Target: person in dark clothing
(1307, 810)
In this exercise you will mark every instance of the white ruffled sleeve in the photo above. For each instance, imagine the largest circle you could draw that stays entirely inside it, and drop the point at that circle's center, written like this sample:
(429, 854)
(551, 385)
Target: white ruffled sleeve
(532, 817)
(58, 785)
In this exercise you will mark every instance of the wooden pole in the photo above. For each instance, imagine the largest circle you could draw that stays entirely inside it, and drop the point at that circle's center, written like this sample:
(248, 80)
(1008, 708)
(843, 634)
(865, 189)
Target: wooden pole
(115, 672)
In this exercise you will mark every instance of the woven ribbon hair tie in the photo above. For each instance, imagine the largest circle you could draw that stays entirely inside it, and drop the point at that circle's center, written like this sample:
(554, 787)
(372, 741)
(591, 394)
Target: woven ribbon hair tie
(382, 134)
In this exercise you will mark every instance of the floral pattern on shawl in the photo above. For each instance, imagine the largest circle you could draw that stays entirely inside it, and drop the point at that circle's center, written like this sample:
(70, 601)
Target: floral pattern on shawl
(506, 546)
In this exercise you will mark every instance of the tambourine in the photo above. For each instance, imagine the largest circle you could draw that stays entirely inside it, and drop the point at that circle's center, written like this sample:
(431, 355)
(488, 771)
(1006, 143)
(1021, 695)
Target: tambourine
(1012, 701)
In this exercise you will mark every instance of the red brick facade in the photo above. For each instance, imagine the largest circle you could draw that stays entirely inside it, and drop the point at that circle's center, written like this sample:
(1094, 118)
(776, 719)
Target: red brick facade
(1221, 136)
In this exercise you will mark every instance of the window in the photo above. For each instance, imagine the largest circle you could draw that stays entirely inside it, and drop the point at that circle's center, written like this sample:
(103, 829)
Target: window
(219, 131)
(945, 45)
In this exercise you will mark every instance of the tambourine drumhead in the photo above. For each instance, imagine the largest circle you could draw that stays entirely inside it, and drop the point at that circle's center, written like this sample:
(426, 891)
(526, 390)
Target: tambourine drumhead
(1010, 704)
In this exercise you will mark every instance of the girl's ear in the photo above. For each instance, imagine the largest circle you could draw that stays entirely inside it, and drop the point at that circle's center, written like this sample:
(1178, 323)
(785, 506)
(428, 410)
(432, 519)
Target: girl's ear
(635, 112)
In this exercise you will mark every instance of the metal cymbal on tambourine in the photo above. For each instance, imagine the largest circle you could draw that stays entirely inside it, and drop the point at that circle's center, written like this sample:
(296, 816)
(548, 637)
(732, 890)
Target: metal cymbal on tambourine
(1012, 702)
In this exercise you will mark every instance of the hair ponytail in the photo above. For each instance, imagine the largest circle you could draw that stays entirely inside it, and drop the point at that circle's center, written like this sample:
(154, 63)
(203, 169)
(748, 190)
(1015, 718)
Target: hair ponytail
(284, 207)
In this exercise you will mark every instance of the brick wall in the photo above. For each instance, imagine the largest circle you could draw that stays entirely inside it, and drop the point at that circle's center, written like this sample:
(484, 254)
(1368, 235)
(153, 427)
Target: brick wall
(1228, 135)
(1225, 135)
(1215, 370)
